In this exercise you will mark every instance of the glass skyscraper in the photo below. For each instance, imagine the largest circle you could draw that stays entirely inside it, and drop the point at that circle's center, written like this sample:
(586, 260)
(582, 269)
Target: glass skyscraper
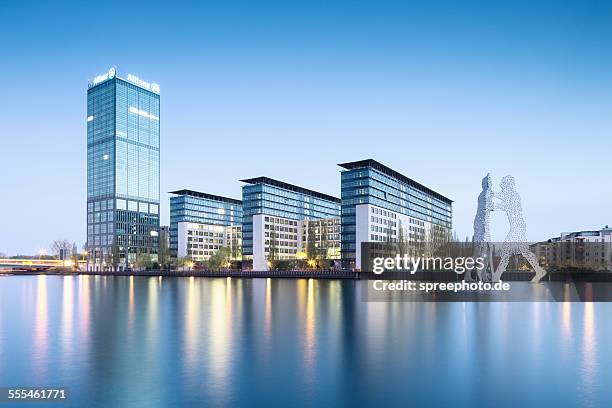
(377, 200)
(122, 171)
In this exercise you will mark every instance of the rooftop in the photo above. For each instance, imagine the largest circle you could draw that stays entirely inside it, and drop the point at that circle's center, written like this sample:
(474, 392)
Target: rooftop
(213, 197)
(392, 173)
(290, 187)
(132, 79)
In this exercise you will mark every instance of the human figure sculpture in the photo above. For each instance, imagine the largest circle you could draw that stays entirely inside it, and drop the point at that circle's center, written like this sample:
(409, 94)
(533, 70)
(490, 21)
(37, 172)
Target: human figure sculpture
(516, 241)
(482, 233)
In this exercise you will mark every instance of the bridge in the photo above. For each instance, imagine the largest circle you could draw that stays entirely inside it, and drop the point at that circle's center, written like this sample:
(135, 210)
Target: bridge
(38, 264)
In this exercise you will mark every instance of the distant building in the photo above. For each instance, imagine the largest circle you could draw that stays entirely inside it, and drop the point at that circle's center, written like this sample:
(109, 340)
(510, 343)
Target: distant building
(164, 235)
(201, 224)
(273, 216)
(378, 202)
(579, 249)
(122, 170)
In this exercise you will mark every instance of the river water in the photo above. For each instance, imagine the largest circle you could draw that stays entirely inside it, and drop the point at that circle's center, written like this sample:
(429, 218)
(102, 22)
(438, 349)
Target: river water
(153, 342)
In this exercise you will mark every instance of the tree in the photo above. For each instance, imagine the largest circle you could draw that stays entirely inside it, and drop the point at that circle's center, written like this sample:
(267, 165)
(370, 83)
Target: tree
(311, 250)
(402, 242)
(234, 235)
(74, 257)
(390, 245)
(144, 261)
(115, 256)
(164, 253)
(219, 259)
(183, 261)
(108, 259)
(324, 241)
(429, 244)
(60, 245)
(273, 244)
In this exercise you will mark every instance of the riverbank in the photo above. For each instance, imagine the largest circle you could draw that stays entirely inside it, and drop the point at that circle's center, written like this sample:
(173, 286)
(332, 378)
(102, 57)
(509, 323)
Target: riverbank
(199, 273)
(443, 276)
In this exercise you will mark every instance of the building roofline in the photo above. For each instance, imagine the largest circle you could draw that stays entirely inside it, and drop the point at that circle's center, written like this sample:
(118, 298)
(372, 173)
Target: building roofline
(290, 187)
(392, 173)
(575, 234)
(89, 88)
(150, 86)
(206, 195)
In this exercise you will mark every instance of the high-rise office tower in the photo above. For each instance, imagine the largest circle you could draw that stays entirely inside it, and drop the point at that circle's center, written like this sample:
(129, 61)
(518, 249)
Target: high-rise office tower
(122, 171)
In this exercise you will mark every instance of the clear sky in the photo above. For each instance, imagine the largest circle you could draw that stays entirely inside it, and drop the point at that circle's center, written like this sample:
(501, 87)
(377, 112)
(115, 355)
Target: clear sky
(442, 91)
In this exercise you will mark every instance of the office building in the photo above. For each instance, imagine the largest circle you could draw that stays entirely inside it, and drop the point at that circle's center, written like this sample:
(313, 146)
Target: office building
(320, 239)
(381, 205)
(273, 212)
(123, 118)
(201, 223)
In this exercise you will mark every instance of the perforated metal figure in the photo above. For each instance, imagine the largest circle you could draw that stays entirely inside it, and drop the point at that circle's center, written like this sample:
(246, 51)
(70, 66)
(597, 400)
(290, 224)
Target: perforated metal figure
(516, 241)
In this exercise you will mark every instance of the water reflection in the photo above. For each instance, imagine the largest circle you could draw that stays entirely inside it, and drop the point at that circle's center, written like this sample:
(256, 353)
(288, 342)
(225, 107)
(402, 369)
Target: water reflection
(190, 342)
(268, 314)
(67, 314)
(196, 341)
(152, 312)
(589, 365)
(310, 340)
(84, 308)
(41, 334)
(219, 337)
(131, 308)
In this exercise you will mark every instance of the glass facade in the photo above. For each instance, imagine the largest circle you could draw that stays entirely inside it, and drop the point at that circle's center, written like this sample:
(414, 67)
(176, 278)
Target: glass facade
(202, 208)
(369, 182)
(271, 197)
(122, 173)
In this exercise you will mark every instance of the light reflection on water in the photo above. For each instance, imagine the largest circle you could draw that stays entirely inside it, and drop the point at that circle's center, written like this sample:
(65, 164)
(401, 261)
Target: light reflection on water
(41, 333)
(146, 341)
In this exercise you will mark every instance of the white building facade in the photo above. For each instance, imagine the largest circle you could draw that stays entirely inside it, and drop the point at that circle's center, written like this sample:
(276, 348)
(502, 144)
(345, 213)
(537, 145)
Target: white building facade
(382, 205)
(202, 223)
(273, 215)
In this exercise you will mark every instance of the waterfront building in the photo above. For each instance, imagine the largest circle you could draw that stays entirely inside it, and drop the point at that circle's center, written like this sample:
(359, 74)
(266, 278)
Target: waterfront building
(273, 214)
(201, 224)
(579, 249)
(123, 122)
(320, 239)
(380, 204)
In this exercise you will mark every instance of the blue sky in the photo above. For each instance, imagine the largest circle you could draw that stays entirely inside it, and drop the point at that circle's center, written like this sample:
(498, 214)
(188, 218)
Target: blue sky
(442, 91)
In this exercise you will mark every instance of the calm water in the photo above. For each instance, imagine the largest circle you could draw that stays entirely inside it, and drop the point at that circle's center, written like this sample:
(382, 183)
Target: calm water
(146, 342)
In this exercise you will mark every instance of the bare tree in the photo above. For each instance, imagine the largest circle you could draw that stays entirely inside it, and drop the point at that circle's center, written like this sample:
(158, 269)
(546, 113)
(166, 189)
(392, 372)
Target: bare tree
(115, 255)
(164, 253)
(324, 241)
(402, 242)
(311, 250)
(61, 245)
(273, 243)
